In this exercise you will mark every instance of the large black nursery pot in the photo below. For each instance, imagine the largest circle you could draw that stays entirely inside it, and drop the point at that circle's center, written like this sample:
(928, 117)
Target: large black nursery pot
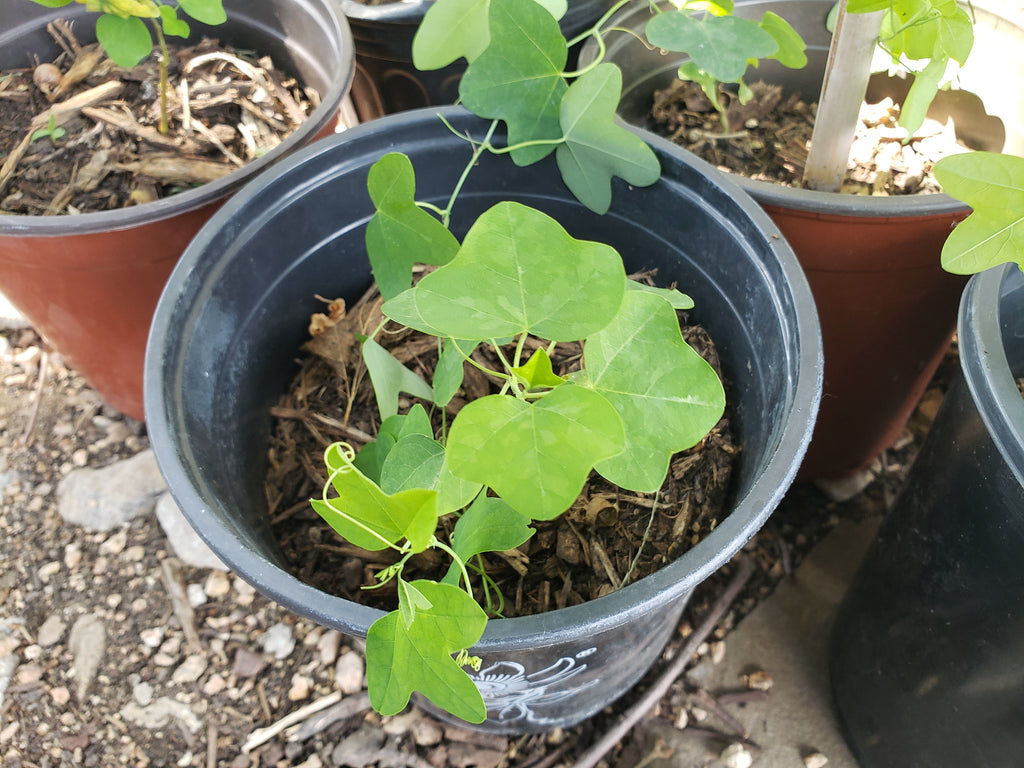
(386, 80)
(235, 312)
(927, 656)
(89, 283)
(887, 309)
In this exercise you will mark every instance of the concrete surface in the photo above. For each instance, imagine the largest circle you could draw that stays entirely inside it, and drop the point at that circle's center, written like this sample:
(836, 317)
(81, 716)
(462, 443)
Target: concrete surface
(786, 636)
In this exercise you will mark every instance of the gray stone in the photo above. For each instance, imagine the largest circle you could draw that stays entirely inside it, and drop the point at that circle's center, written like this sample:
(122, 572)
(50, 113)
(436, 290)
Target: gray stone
(105, 498)
(161, 712)
(278, 641)
(185, 542)
(87, 643)
(51, 631)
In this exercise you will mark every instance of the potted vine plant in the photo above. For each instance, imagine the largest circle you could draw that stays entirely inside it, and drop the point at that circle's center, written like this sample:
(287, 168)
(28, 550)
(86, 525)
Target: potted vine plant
(386, 78)
(517, 253)
(89, 282)
(887, 310)
(927, 636)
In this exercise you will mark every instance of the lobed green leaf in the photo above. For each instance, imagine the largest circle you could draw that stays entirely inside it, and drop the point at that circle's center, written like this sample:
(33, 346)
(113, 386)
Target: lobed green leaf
(518, 271)
(401, 234)
(993, 185)
(489, 525)
(518, 77)
(667, 395)
(205, 11)
(390, 377)
(536, 456)
(595, 147)
(126, 40)
(418, 461)
(403, 658)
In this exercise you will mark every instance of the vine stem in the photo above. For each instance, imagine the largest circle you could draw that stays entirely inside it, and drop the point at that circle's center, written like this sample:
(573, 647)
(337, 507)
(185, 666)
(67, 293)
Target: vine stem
(458, 561)
(477, 151)
(164, 57)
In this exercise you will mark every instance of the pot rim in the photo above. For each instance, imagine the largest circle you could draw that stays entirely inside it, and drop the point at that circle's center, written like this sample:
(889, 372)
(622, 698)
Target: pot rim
(678, 577)
(124, 218)
(991, 318)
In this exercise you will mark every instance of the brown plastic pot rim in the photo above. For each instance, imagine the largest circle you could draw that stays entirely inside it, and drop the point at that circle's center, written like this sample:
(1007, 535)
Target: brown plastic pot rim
(125, 218)
(851, 206)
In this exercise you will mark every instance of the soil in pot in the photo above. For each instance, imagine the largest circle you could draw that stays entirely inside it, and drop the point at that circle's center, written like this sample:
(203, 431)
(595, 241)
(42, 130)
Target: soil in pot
(80, 134)
(768, 139)
(608, 539)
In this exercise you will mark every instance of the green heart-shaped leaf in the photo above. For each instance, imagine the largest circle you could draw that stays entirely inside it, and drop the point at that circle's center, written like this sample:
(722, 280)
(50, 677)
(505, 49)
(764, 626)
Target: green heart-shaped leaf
(518, 271)
(370, 458)
(171, 24)
(403, 658)
(489, 525)
(667, 396)
(518, 78)
(720, 45)
(536, 456)
(792, 48)
(126, 40)
(401, 233)
(993, 185)
(205, 11)
(595, 148)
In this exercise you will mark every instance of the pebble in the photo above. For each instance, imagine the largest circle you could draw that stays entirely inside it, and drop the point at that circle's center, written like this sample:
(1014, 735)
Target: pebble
(51, 631)
(161, 712)
(348, 674)
(190, 670)
(300, 688)
(87, 643)
(216, 585)
(328, 645)
(278, 641)
(184, 541)
(116, 543)
(196, 595)
(143, 693)
(108, 498)
(60, 695)
(736, 756)
(248, 663)
(815, 760)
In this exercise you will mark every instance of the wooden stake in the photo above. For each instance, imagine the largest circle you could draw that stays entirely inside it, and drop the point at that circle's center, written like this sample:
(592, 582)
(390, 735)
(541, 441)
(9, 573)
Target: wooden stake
(842, 92)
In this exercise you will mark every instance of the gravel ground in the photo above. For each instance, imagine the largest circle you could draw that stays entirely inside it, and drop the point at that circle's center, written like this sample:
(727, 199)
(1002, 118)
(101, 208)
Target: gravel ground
(113, 652)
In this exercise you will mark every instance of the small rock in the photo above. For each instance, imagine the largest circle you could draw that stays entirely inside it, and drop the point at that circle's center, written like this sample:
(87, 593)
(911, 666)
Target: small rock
(8, 664)
(143, 693)
(87, 643)
(278, 641)
(758, 680)
(815, 760)
(245, 591)
(28, 674)
(60, 695)
(328, 645)
(248, 664)
(116, 543)
(107, 498)
(190, 670)
(359, 749)
(216, 585)
(72, 556)
(718, 652)
(152, 638)
(161, 712)
(196, 595)
(301, 686)
(214, 685)
(185, 542)
(736, 756)
(348, 674)
(51, 631)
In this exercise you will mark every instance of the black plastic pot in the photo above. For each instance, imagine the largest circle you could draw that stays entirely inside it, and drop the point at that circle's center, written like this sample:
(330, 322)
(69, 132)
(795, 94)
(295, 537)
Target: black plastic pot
(386, 80)
(887, 309)
(927, 657)
(89, 283)
(230, 323)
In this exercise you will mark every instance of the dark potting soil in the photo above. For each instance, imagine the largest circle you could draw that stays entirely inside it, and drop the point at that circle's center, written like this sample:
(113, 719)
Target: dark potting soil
(769, 137)
(103, 149)
(608, 538)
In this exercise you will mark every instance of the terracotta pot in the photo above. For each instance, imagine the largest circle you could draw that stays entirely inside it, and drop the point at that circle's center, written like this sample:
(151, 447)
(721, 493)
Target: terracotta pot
(89, 283)
(887, 309)
(386, 80)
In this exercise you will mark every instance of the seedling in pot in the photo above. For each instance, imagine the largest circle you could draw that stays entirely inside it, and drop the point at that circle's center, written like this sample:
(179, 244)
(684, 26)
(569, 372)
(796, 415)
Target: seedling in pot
(122, 31)
(517, 281)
